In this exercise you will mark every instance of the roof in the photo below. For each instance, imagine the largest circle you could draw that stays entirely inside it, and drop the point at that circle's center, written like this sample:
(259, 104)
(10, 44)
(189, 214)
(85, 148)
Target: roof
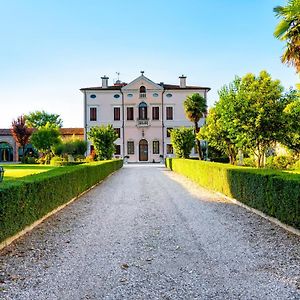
(63, 131)
(99, 88)
(190, 87)
(165, 86)
(5, 131)
(71, 131)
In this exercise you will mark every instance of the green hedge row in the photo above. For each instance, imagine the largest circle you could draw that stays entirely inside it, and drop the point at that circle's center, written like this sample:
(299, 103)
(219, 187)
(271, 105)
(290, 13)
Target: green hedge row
(275, 193)
(28, 199)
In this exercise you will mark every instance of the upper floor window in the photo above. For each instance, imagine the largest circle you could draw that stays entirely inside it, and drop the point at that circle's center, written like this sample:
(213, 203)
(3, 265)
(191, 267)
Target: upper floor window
(155, 113)
(93, 96)
(142, 92)
(117, 113)
(130, 116)
(143, 111)
(169, 112)
(93, 113)
(116, 96)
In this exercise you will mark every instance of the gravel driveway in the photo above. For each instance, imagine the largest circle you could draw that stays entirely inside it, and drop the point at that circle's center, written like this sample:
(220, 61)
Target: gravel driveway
(149, 233)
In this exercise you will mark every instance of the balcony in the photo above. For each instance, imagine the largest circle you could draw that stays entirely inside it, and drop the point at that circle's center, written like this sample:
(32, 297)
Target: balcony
(143, 95)
(142, 123)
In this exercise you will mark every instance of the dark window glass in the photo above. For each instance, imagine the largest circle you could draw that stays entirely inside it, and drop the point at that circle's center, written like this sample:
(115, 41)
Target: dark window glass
(155, 147)
(143, 111)
(118, 150)
(129, 113)
(93, 96)
(169, 131)
(155, 113)
(130, 147)
(169, 113)
(169, 149)
(117, 113)
(118, 132)
(142, 89)
(93, 114)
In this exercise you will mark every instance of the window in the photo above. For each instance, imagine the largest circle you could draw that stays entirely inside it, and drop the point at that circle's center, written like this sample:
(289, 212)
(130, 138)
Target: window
(93, 96)
(142, 111)
(118, 132)
(130, 113)
(92, 149)
(117, 113)
(142, 92)
(155, 113)
(169, 129)
(130, 147)
(169, 95)
(169, 149)
(129, 95)
(169, 112)
(117, 149)
(155, 95)
(93, 113)
(155, 147)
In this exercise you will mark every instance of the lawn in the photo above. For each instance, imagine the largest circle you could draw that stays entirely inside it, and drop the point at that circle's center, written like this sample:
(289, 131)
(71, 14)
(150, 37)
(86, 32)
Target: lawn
(15, 171)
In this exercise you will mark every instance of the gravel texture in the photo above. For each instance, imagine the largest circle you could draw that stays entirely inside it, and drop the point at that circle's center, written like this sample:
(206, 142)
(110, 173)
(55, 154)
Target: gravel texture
(149, 233)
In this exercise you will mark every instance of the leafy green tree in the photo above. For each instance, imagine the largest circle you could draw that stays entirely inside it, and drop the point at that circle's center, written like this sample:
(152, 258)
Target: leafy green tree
(39, 119)
(291, 116)
(21, 133)
(195, 108)
(217, 133)
(103, 138)
(183, 141)
(45, 138)
(288, 30)
(248, 115)
(70, 147)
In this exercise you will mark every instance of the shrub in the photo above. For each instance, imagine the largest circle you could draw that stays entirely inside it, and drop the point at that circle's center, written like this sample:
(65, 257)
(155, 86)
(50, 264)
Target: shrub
(183, 141)
(272, 192)
(249, 162)
(279, 162)
(28, 199)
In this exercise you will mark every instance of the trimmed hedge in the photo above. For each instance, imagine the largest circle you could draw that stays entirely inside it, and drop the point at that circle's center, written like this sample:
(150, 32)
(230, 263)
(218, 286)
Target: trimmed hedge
(28, 199)
(275, 193)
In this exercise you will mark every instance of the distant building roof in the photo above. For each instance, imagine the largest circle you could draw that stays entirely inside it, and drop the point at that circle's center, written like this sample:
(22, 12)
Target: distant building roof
(63, 131)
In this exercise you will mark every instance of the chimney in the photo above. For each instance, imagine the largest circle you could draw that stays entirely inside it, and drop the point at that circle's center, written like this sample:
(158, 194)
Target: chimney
(182, 81)
(104, 82)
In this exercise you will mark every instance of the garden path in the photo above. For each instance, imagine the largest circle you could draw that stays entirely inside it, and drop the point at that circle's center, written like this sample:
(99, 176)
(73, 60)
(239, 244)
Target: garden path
(149, 233)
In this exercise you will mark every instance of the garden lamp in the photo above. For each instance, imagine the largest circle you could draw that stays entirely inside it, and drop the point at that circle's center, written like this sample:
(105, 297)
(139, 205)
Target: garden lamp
(1, 173)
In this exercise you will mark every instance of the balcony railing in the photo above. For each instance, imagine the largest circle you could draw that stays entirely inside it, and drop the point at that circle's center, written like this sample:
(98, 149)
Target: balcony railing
(143, 95)
(142, 123)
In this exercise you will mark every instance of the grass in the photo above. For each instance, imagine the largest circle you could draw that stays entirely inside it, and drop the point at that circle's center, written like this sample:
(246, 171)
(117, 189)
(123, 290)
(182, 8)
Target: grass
(16, 171)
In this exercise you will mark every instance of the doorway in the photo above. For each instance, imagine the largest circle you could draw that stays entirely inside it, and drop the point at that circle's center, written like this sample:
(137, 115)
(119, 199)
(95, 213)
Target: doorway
(143, 150)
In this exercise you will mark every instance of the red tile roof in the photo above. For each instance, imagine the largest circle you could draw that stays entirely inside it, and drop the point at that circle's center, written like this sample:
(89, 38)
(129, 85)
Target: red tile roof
(63, 131)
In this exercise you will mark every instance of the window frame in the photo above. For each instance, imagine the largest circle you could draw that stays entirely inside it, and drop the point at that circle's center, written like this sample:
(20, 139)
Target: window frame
(171, 109)
(154, 114)
(90, 113)
(128, 148)
(132, 109)
(117, 108)
(157, 147)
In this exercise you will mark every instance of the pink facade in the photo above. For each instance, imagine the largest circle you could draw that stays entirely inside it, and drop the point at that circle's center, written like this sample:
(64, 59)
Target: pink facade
(142, 112)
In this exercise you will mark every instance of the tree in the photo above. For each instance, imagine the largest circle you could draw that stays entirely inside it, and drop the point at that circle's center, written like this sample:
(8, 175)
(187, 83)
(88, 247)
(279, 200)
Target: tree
(183, 141)
(103, 138)
(21, 133)
(216, 132)
(39, 119)
(288, 30)
(291, 115)
(195, 108)
(248, 115)
(71, 147)
(45, 138)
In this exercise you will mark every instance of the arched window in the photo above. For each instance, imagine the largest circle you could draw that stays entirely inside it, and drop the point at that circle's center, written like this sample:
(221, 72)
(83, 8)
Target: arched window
(143, 111)
(142, 92)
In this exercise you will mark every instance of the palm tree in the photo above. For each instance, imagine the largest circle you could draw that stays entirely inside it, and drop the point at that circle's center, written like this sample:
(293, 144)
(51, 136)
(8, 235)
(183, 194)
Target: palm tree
(288, 29)
(195, 108)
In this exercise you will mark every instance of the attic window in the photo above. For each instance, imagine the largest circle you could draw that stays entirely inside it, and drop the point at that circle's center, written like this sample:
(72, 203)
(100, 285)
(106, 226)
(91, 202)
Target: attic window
(129, 95)
(169, 95)
(155, 95)
(116, 96)
(93, 96)
(142, 89)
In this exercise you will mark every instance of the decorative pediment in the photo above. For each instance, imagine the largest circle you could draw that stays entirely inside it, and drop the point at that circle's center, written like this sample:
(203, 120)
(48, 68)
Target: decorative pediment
(142, 81)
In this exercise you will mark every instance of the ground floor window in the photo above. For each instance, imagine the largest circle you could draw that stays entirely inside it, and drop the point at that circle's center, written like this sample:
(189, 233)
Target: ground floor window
(118, 132)
(169, 129)
(6, 152)
(118, 150)
(169, 149)
(130, 147)
(155, 147)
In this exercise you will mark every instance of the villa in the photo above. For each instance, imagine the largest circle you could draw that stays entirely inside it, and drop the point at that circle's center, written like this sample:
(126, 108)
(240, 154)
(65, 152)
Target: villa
(142, 113)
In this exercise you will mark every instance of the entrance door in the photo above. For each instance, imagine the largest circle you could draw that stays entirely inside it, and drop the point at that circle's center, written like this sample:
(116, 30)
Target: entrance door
(143, 150)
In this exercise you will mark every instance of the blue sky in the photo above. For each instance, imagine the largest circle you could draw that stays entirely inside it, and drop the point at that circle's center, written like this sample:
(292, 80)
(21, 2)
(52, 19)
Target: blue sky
(50, 49)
